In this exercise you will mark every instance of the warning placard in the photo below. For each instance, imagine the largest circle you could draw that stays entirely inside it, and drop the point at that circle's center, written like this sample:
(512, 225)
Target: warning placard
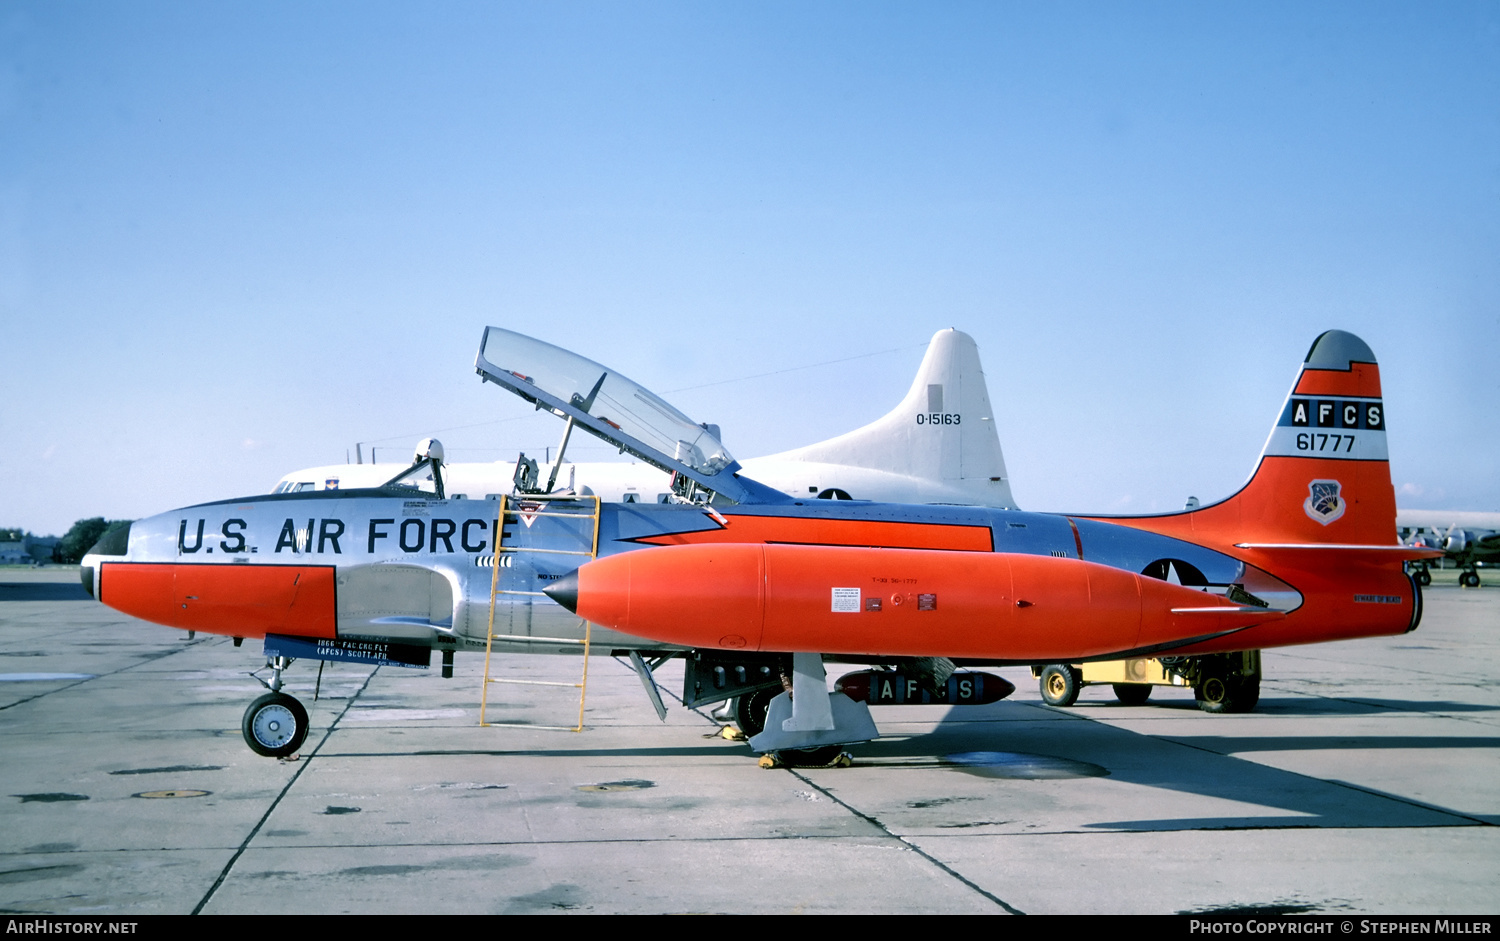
(846, 601)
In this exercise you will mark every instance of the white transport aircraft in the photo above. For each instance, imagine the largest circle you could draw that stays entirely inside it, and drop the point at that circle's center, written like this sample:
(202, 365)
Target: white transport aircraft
(939, 445)
(1467, 538)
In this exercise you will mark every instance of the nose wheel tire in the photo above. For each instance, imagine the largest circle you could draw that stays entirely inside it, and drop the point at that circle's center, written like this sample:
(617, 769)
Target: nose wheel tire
(275, 725)
(1060, 684)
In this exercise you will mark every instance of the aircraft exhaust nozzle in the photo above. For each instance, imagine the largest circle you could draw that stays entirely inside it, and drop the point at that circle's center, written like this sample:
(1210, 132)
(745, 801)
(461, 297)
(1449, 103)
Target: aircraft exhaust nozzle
(565, 591)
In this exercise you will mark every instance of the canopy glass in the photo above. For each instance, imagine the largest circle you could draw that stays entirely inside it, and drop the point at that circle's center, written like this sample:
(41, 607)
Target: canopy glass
(551, 376)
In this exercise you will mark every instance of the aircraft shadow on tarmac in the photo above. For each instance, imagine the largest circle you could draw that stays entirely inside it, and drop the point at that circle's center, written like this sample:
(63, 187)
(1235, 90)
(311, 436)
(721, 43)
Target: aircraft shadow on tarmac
(1248, 823)
(1028, 745)
(1291, 706)
(1226, 745)
(1431, 816)
(1364, 706)
(1206, 766)
(42, 591)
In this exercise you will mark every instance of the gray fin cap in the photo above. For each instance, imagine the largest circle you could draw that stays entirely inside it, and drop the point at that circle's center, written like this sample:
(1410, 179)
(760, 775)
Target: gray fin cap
(1336, 349)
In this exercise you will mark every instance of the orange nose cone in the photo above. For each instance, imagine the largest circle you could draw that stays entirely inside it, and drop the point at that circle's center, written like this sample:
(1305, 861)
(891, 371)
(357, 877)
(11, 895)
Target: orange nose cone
(894, 602)
(701, 596)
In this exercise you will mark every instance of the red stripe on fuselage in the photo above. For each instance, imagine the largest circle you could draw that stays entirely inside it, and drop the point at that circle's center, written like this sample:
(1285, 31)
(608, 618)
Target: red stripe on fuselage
(833, 532)
(238, 600)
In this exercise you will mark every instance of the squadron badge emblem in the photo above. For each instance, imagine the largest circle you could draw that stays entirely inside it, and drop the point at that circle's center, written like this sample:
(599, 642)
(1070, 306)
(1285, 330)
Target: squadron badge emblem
(1323, 502)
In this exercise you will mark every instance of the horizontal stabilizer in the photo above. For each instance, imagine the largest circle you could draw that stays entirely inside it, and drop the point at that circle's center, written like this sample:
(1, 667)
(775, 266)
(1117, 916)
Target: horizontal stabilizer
(1353, 553)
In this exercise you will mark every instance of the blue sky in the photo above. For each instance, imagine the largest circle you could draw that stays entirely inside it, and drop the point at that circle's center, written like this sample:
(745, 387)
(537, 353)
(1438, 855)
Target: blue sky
(237, 238)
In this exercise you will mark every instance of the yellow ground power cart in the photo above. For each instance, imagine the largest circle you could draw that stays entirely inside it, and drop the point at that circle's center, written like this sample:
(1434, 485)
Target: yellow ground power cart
(1228, 682)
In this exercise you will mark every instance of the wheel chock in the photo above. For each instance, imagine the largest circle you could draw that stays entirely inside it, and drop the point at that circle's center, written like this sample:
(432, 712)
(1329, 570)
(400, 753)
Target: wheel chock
(773, 760)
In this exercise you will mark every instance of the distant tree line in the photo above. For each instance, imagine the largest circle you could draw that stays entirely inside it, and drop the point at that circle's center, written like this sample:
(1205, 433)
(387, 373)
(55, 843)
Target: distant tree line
(69, 549)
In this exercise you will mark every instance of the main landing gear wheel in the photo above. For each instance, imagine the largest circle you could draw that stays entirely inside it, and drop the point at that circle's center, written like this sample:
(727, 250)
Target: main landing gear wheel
(1220, 694)
(750, 711)
(1424, 577)
(1469, 579)
(1060, 684)
(1132, 694)
(275, 725)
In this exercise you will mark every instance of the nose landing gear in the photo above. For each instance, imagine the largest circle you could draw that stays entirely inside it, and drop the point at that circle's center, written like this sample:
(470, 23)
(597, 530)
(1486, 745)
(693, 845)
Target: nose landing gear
(275, 725)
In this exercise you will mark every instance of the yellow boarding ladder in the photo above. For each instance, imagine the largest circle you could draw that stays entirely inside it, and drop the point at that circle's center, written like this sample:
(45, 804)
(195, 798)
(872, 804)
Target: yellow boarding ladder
(496, 591)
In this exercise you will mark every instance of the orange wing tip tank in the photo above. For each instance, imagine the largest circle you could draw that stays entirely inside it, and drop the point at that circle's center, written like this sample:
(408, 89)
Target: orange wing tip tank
(893, 602)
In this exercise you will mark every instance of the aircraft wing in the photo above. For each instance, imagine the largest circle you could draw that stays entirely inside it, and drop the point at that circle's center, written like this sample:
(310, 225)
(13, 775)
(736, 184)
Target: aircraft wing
(609, 406)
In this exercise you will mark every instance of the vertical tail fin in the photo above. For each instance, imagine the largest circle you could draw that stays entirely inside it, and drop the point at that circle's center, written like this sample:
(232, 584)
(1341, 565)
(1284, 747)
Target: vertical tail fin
(1323, 476)
(939, 445)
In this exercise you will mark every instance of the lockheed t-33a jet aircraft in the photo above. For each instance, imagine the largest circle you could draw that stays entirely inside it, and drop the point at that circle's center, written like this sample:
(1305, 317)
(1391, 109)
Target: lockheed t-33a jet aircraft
(754, 587)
